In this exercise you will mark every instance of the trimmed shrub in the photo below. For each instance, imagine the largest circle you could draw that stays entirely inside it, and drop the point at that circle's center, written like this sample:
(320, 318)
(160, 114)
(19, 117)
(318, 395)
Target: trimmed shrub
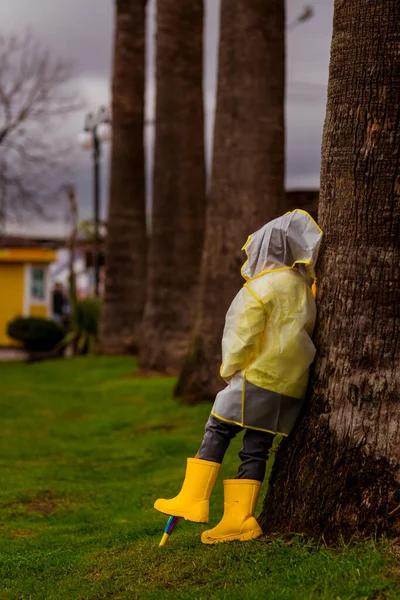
(36, 334)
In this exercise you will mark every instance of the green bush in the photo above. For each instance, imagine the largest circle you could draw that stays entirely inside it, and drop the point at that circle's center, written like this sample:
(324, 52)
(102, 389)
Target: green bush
(85, 321)
(36, 334)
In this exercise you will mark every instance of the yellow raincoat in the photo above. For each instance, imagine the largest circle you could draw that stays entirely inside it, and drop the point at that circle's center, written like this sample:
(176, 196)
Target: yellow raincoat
(267, 348)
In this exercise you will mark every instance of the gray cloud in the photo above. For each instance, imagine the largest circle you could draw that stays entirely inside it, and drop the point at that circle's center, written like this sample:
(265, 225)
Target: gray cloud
(80, 30)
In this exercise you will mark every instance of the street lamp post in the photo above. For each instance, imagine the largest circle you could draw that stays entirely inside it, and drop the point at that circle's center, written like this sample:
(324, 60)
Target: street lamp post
(97, 129)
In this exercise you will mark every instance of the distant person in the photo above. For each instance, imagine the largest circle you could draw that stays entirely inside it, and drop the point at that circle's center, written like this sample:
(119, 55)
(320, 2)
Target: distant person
(266, 351)
(59, 303)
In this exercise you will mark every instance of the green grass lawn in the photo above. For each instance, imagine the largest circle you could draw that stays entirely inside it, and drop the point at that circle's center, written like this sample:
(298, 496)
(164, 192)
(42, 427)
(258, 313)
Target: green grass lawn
(85, 449)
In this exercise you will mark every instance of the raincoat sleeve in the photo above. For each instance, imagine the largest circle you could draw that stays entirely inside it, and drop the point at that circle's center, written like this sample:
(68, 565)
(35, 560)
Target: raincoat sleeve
(244, 325)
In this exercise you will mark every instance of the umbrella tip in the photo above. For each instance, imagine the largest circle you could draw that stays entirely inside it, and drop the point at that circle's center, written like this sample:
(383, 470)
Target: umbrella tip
(164, 539)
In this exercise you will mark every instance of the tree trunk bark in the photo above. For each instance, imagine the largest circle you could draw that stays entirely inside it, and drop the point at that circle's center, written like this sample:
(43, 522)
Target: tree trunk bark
(177, 227)
(338, 474)
(126, 237)
(247, 187)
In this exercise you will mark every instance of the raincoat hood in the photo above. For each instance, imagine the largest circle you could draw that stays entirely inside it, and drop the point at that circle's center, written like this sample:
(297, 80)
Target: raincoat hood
(292, 239)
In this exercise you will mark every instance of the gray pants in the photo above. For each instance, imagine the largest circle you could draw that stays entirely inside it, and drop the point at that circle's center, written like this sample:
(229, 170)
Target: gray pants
(254, 454)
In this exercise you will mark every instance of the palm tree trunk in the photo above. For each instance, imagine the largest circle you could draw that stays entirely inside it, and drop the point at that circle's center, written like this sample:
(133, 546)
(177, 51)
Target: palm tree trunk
(247, 187)
(126, 237)
(177, 227)
(338, 474)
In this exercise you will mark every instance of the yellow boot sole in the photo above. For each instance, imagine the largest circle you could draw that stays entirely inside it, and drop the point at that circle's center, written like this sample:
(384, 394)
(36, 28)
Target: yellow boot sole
(231, 537)
(199, 515)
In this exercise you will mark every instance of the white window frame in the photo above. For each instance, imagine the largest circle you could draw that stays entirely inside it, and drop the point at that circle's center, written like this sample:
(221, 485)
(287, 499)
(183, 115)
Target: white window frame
(28, 299)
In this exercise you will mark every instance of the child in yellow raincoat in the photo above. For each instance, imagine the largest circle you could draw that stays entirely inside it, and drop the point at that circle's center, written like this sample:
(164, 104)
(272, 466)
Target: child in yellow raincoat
(267, 351)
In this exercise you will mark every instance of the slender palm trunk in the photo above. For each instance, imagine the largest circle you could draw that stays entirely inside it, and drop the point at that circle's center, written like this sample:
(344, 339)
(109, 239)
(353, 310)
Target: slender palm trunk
(177, 226)
(247, 187)
(126, 236)
(71, 243)
(338, 474)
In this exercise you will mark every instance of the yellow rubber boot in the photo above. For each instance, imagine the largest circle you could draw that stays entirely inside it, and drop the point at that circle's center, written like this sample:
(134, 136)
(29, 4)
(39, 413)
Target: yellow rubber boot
(192, 502)
(238, 522)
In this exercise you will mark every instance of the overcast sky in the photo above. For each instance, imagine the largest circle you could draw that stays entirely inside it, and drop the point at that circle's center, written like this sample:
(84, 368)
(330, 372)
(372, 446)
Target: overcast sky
(81, 30)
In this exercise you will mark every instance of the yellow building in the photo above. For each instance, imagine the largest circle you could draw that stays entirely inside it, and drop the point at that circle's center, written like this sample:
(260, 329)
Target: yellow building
(24, 281)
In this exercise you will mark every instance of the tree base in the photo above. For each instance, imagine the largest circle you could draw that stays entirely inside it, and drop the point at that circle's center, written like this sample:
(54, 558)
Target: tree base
(163, 354)
(321, 487)
(117, 345)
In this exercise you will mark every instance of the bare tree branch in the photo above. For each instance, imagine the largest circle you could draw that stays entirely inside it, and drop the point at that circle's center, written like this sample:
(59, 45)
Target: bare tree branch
(306, 14)
(34, 95)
